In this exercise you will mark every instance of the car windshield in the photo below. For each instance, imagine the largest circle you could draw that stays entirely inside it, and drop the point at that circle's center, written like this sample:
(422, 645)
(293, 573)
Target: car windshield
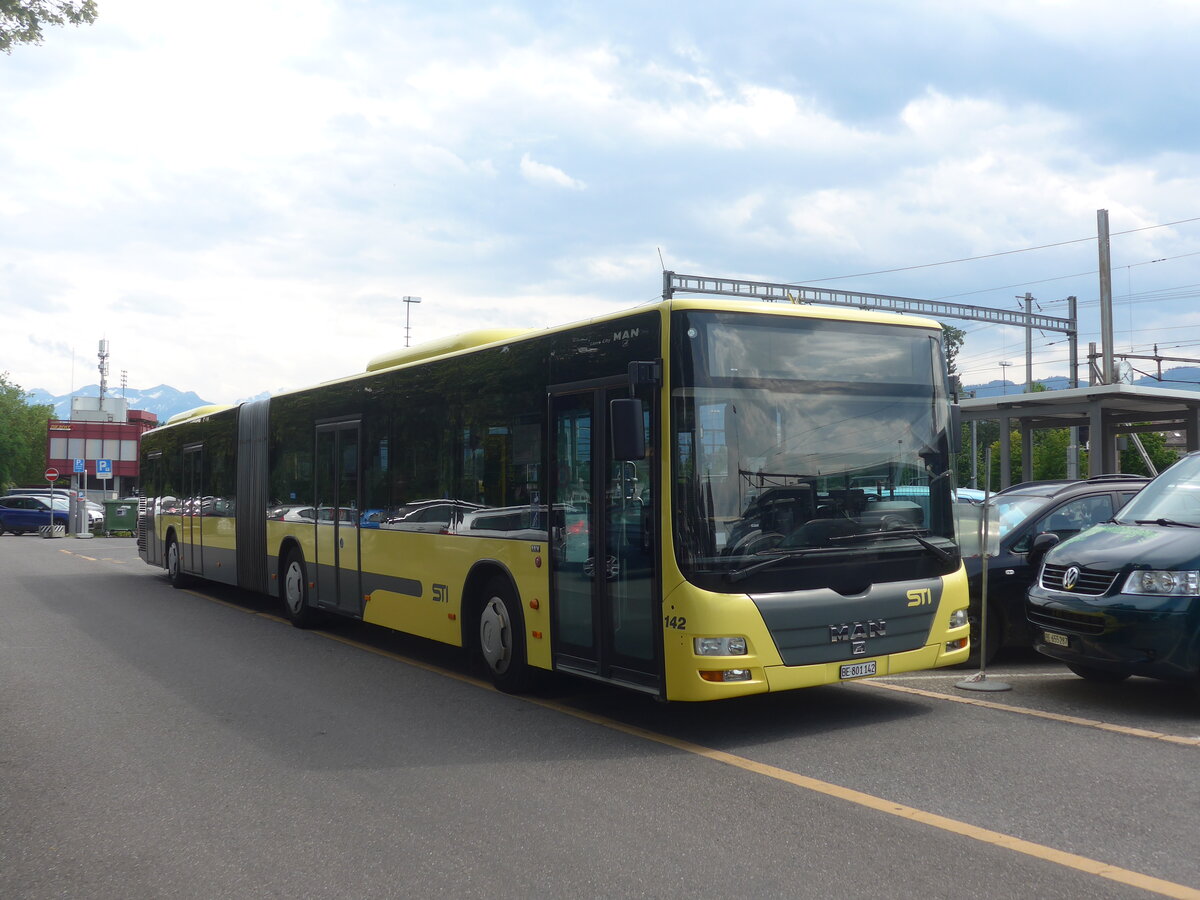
(1004, 512)
(1174, 496)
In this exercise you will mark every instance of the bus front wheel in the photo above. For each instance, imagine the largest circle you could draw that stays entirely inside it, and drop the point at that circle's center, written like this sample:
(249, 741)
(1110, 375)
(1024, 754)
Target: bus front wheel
(293, 591)
(502, 638)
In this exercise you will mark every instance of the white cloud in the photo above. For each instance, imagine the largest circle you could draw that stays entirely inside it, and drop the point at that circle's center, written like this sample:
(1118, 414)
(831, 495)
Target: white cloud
(238, 181)
(541, 173)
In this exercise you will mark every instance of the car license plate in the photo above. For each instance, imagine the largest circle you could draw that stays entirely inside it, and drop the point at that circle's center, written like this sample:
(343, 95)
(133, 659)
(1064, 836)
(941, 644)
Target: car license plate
(858, 670)
(1060, 640)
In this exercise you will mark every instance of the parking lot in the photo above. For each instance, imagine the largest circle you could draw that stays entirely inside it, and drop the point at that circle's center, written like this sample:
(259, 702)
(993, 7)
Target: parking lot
(160, 742)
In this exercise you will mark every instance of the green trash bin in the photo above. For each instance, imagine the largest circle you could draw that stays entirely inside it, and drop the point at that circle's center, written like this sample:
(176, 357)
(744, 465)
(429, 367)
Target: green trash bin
(120, 515)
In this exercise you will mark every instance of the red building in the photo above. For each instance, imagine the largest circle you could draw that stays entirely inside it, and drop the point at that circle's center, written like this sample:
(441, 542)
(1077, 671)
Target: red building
(99, 429)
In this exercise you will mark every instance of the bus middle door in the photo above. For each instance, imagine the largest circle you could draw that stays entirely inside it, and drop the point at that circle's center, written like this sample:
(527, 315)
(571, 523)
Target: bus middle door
(337, 510)
(192, 539)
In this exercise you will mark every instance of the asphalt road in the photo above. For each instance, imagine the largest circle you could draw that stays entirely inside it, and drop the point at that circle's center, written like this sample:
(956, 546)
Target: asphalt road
(163, 743)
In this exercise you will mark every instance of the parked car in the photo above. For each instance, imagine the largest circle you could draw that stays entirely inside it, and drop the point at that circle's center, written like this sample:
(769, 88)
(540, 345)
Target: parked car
(22, 513)
(306, 514)
(431, 516)
(1016, 516)
(969, 495)
(95, 507)
(1124, 598)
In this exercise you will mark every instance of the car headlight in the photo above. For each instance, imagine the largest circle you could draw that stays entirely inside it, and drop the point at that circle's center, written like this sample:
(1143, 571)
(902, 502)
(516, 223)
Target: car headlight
(1159, 581)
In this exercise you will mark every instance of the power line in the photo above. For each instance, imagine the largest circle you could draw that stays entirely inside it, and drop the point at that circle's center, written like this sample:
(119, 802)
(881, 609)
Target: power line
(999, 253)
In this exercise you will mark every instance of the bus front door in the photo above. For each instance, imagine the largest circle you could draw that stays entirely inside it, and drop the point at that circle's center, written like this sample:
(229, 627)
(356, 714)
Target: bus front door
(604, 580)
(336, 493)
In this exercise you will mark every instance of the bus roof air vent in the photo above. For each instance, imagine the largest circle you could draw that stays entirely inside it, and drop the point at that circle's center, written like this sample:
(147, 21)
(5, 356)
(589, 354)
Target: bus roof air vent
(197, 413)
(442, 346)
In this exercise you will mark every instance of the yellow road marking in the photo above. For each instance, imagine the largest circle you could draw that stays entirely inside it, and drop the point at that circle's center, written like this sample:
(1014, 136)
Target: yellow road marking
(119, 562)
(849, 795)
(1037, 713)
(80, 555)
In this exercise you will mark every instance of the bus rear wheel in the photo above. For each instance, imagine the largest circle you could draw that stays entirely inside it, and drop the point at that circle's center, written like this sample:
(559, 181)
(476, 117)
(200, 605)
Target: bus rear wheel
(175, 565)
(502, 638)
(293, 591)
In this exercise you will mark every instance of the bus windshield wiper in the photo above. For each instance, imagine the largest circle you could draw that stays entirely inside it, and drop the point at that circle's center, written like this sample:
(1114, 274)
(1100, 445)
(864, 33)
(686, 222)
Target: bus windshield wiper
(1166, 522)
(916, 534)
(735, 575)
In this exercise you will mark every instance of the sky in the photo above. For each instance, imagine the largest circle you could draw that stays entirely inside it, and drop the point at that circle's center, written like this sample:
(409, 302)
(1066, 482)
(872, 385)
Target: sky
(239, 195)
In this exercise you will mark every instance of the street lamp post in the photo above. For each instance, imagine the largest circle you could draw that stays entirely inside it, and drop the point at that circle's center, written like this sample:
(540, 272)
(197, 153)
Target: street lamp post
(408, 302)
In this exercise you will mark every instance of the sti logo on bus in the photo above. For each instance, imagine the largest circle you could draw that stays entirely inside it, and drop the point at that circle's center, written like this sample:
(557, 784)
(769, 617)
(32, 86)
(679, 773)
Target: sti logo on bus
(920, 597)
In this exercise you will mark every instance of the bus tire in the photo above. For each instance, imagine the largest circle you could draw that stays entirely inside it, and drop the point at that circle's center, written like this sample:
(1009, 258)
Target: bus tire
(293, 591)
(502, 638)
(175, 565)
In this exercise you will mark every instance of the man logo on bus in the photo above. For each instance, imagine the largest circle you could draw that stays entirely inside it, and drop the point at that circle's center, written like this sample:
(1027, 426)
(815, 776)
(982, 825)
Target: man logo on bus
(854, 632)
(626, 335)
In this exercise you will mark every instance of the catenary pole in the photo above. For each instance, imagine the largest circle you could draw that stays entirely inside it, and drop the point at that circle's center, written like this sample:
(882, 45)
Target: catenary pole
(1106, 313)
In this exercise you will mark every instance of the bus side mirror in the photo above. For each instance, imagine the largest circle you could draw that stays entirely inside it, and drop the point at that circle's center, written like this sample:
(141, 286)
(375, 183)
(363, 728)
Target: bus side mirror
(628, 432)
(956, 439)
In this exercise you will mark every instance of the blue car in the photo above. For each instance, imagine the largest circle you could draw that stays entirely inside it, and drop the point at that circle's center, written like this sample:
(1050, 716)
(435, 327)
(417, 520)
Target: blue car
(24, 513)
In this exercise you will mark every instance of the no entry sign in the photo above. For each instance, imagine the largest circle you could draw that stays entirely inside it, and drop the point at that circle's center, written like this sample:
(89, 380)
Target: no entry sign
(52, 474)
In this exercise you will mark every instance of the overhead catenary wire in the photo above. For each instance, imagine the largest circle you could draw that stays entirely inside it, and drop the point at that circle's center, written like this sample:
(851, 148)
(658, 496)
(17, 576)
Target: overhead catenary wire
(994, 255)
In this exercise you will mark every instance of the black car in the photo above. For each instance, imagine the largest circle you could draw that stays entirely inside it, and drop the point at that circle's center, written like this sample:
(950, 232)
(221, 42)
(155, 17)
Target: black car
(1016, 516)
(1124, 599)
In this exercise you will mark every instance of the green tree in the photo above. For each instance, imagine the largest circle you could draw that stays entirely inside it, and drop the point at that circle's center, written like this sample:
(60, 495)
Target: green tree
(21, 21)
(1155, 444)
(23, 430)
(952, 341)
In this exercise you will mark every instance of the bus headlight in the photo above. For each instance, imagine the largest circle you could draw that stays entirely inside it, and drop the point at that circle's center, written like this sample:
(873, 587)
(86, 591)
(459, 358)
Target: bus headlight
(726, 675)
(720, 646)
(1151, 581)
(958, 618)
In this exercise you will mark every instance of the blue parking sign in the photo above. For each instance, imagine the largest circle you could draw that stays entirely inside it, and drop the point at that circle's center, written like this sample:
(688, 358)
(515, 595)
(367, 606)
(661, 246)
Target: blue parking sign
(104, 468)
(79, 467)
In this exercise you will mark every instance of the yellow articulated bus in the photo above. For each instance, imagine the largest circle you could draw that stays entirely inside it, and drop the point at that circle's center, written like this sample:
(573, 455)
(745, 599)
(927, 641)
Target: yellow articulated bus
(696, 499)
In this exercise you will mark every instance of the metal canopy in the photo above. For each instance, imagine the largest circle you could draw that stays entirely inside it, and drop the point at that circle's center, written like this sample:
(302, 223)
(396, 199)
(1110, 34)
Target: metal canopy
(674, 283)
(1108, 410)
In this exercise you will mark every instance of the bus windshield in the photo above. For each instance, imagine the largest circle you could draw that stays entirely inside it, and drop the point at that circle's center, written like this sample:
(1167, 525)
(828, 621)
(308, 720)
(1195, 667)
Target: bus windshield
(807, 440)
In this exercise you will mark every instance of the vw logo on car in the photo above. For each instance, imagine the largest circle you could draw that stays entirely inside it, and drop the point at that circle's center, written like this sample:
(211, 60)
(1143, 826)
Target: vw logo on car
(1070, 578)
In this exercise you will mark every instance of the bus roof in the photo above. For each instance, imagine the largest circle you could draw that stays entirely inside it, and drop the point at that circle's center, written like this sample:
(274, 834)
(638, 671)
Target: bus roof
(197, 413)
(465, 342)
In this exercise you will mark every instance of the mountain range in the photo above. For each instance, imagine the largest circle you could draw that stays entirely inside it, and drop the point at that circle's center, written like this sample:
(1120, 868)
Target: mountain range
(165, 401)
(1183, 378)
